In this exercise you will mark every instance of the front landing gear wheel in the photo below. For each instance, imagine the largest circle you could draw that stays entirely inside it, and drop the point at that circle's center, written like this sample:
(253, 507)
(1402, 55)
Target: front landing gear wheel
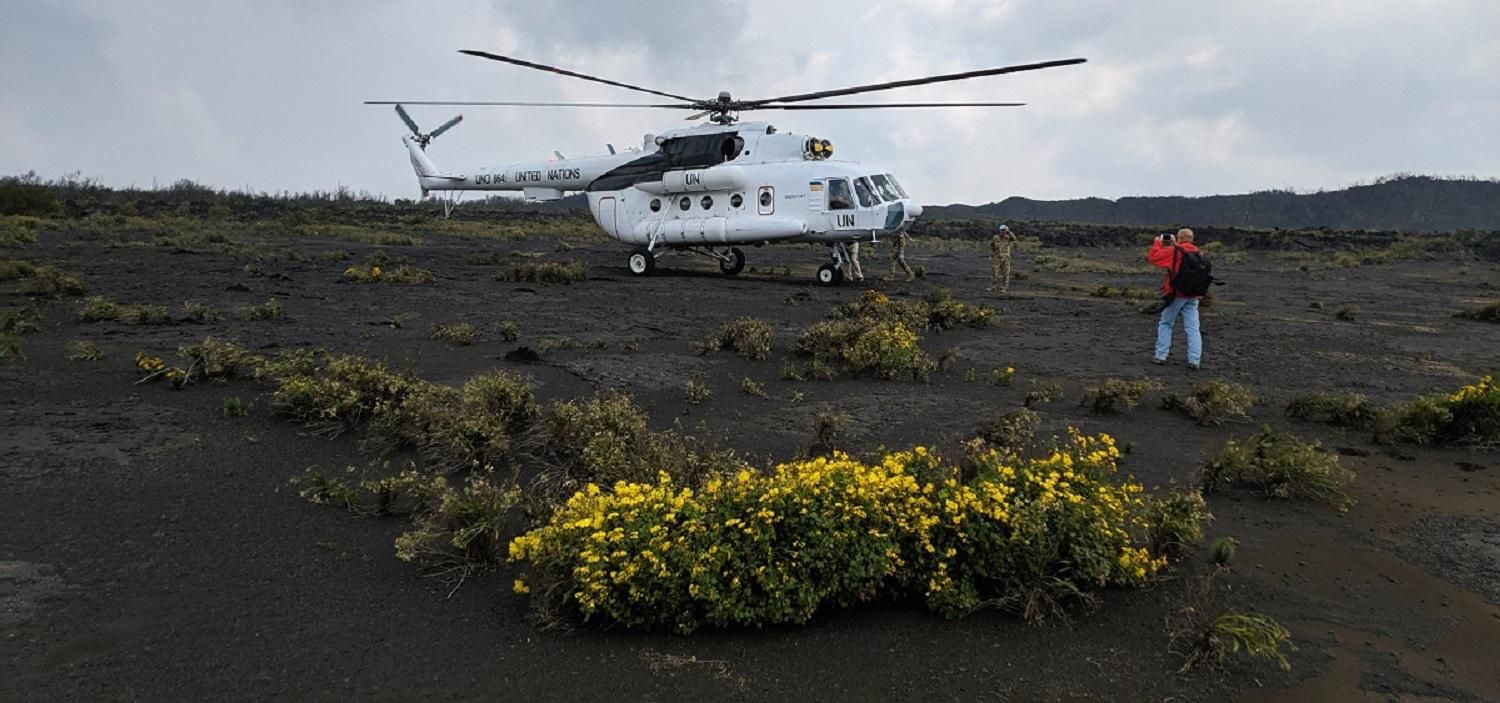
(734, 264)
(641, 262)
(830, 275)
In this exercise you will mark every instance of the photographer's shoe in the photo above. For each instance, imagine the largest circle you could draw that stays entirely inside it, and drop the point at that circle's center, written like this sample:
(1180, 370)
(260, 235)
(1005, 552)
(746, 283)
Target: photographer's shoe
(1159, 362)
(1192, 367)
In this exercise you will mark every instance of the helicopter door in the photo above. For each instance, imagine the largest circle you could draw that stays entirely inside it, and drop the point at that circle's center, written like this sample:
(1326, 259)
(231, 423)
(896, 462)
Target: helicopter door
(839, 198)
(871, 213)
(607, 215)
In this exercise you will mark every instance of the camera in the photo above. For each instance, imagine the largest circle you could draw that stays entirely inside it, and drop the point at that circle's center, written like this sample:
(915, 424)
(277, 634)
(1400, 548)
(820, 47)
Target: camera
(1167, 238)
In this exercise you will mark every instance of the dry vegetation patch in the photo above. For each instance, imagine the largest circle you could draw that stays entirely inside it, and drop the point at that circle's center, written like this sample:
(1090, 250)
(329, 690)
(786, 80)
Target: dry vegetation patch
(1280, 465)
(545, 272)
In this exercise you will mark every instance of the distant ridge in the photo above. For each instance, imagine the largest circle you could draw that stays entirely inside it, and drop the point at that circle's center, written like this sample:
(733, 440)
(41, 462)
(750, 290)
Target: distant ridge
(1405, 203)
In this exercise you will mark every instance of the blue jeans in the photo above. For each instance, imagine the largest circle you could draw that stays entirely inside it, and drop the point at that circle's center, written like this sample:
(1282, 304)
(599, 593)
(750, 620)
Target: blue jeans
(1188, 308)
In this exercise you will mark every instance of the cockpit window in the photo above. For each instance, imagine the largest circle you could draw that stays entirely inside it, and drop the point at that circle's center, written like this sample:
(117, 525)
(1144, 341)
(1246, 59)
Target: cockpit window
(865, 192)
(897, 185)
(884, 185)
(839, 195)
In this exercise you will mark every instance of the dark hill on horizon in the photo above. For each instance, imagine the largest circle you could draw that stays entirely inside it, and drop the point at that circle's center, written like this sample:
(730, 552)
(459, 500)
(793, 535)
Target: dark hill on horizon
(1405, 203)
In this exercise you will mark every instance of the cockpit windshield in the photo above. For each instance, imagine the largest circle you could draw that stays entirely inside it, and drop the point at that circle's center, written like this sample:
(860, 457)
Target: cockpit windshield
(884, 185)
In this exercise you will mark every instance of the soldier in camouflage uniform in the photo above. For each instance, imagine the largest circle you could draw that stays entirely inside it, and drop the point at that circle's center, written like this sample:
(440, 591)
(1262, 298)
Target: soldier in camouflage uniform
(898, 255)
(1000, 246)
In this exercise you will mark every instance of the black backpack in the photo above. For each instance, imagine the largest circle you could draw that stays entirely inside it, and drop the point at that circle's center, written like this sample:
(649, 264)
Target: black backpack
(1195, 273)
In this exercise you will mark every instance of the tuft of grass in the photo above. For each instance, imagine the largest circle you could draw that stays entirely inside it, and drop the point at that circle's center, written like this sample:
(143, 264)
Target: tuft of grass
(1082, 264)
(1222, 551)
(234, 407)
(1347, 313)
(749, 337)
(1205, 634)
(16, 269)
(1212, 402)
(269, 310)
(1114, 395)
(1002, 376)
(508, 331)
(402, 275)
(83, 350)
(459, 333)
(545, 272)
(1279, 465)
(828, 431)
(696, 391)
(1339, 408)
(200, 313)
(1488, 313)
(864, 346)
(14, 323)
(750, 387)
(1129, 293)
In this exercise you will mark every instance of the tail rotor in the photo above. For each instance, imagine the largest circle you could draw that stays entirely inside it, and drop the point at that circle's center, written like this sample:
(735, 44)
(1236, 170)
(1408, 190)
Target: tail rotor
(425, 138)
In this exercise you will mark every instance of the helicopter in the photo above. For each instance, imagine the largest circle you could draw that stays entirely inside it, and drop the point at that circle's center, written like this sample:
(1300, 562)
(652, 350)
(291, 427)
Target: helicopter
(711, 188)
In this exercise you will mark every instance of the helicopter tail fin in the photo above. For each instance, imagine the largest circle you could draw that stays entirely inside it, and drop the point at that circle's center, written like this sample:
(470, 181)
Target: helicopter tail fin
(428, 175)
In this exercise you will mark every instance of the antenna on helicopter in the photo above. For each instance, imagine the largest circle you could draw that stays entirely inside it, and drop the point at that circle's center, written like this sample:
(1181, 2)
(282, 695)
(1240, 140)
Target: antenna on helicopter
(423, 139)
(724, 109)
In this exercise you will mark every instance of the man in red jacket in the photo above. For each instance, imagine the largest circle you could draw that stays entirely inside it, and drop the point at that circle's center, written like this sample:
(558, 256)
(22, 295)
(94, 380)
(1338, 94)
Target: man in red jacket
(1167, 254)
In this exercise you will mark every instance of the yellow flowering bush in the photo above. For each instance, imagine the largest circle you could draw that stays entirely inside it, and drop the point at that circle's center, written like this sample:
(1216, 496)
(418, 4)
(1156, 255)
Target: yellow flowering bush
(1469, 415)
(756, 549)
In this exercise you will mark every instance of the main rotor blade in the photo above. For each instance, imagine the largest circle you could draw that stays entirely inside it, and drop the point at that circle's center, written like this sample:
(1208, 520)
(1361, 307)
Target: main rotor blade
(565, 72)
(407, 119)
(513, 103)
(1018, 68)
(874, 106)
(446, 126)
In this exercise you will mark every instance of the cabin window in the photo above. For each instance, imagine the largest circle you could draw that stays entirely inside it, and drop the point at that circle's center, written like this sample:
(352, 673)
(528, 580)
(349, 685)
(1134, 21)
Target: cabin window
(656, 205)
(736, 200)
(865, 192)
(839, 195)
(685, 203)
(707, 202)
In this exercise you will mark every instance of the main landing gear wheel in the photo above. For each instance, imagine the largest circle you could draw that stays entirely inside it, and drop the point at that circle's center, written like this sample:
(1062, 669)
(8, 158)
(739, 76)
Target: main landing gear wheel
(641, 262)
(734, 264)
(830, 275)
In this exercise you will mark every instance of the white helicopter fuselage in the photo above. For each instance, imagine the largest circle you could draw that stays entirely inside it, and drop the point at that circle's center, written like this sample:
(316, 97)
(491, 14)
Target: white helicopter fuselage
(709, 186)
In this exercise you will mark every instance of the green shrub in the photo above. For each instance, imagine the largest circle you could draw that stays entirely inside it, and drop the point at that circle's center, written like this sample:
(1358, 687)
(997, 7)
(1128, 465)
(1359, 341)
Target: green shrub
(1469, 415)
(1488, 313)
(545, 272)
(759, 549)
(98, 309)
(48, 280)
(200, 313)
(22, 196)
(882, 349)
(461, 526)
(937, 311)
(1040, 393)
(475, 426)
(1212, 402)
(269, 310)
(828, 431)
(460, 333)
(340, 392)
(15, 269)
(1012, 430)
(83, 350)
(1175, 521)
(1113, 395)
(605, 439)
(748, 337)
(1338, 408)
(1279, 465)
(403, 275)
(14, 323)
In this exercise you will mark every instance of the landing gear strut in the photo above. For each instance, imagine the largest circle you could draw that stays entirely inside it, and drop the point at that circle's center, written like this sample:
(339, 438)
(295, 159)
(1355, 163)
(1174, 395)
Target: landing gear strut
(833, 274)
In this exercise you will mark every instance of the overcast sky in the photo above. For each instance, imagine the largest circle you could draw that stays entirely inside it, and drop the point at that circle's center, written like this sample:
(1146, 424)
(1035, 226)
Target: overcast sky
(1179, 96)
